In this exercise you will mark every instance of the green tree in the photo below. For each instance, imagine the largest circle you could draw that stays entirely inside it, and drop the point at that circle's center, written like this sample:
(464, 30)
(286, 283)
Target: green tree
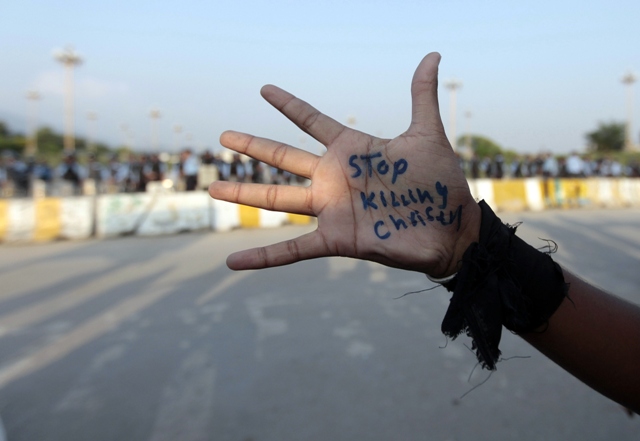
(481, 145)
(10, 140)
(608, 137)
(4, 129)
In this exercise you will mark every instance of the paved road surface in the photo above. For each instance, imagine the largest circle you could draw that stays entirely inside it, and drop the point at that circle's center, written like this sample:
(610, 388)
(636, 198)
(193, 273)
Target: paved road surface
(154, 339)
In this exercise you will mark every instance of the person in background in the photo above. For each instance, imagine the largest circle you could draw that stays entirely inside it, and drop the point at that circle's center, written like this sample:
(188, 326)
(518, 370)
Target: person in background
(474, 166)
(154, 169)
(117, 173)
(237, 171)
(72, 172)
(97, 173)
(574, 166)
(189, 169)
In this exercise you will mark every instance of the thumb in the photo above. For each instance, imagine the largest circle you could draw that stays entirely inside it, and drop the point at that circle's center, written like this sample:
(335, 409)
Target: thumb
(425, 114)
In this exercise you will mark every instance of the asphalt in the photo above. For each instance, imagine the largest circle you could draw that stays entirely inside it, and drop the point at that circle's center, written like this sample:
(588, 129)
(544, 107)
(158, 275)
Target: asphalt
(155, 339)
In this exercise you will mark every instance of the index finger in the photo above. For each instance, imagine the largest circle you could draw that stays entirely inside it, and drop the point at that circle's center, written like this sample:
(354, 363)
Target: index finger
(302, 114)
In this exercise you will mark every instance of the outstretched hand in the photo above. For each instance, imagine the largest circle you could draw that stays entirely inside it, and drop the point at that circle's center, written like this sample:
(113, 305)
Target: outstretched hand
(402, 202)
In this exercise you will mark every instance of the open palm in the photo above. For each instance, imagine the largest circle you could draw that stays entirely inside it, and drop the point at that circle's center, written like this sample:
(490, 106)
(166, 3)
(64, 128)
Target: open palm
(402, 202)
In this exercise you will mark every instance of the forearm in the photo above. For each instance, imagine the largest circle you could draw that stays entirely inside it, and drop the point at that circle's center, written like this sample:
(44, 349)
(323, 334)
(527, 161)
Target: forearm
(595, 336)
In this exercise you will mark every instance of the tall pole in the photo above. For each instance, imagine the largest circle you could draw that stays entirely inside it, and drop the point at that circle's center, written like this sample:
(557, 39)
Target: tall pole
(125, 140)
(92, 117)
(453, 85)
(467, 137)
(69, 60)
(628, 81)
(32, 120)
(154, 115)
(177, 130)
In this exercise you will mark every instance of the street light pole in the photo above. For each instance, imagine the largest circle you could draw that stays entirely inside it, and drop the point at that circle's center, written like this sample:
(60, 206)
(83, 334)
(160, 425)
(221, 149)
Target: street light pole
(177, 130)
(467, 137)
(628, 81)
(453, 85)
(92, 117)
(69, 60)
(32, 120)
(154, 115)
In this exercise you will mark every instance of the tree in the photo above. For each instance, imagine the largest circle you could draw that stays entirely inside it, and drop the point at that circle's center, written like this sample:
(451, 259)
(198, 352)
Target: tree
(10, 140)
(4, 130)
(608, 137)
(481, 145)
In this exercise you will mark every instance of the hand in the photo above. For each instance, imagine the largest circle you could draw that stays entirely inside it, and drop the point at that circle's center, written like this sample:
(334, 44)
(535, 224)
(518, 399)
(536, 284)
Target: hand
(402, 202)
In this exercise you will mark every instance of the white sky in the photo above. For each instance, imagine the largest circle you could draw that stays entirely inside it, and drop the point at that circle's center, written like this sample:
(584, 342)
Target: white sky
(537, 75)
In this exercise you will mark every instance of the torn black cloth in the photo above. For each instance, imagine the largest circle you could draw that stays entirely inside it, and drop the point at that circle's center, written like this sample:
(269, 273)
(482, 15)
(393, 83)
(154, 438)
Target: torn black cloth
(502, 281)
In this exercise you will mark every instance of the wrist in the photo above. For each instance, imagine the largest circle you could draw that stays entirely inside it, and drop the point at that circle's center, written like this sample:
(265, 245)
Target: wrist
(468, 234)
(502, 281)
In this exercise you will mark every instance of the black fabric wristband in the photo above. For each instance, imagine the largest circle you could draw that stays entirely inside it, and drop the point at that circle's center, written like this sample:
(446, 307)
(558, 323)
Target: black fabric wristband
(502, 281)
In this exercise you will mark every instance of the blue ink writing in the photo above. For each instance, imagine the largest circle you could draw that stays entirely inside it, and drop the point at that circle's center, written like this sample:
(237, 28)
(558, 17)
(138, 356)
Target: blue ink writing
(442, 191)
(383, 167)
(352, 163)
(376, 229)
(394, 202)
(367, 201)
(423, 196)
(367, 159)
(383, 199)
(364, 165)
(412, 197)
(398, 223)
(399, 167)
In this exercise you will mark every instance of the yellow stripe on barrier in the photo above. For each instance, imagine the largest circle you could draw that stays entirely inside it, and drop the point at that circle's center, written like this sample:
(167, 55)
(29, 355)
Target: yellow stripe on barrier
(575, 192)
(249, 216)
(48, 219)
(299, 219)
(509, 195)
(4, 218)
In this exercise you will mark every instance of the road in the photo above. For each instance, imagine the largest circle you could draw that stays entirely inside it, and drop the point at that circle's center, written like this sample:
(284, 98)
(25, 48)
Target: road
(155, 339)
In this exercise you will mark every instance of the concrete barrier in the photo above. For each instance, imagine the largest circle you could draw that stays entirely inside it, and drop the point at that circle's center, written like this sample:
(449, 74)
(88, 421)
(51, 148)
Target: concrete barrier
(225, 216)
(166, 212)
(27, 220)
(77, 217)
(121, 214)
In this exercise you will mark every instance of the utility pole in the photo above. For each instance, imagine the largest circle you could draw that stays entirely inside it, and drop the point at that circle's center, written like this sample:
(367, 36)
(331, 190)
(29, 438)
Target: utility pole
(32, 123)
(69, 60)
(453, 85)
(127, 136)
(177, 130)
(92, 117)
(467, 137)
(628, 81)
(154, 114)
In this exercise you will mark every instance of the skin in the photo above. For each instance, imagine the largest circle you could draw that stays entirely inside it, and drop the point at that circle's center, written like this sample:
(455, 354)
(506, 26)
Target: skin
(596, 337)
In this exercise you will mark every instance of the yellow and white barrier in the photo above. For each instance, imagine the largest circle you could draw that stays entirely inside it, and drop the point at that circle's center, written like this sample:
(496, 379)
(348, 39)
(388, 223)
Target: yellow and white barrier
(27, 220)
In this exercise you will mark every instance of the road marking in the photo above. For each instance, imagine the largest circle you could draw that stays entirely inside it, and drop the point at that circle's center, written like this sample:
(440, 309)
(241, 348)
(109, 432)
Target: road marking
(81, 335)
(100, 324)
(41, 311)
(225, 284)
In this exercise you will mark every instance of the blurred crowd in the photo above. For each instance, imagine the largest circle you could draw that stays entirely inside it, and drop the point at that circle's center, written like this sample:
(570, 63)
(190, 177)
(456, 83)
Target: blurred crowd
(140, 172)
(546, 165)
(187, 171)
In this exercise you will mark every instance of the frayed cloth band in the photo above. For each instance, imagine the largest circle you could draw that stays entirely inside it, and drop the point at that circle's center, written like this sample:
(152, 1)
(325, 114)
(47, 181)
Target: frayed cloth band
(502, 281)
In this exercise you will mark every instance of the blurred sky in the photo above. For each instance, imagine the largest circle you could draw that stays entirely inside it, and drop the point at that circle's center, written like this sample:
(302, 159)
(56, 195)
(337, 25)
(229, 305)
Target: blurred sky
(537, 75)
